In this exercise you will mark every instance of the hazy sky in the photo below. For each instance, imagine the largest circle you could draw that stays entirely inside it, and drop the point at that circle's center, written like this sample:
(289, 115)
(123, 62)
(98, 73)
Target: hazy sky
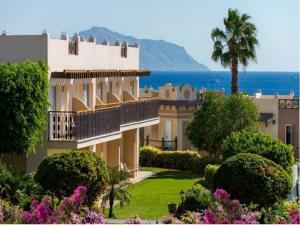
(184, 22)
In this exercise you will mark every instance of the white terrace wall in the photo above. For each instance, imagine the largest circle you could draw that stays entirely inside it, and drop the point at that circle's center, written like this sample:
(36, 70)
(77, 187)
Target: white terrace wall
(55, 52)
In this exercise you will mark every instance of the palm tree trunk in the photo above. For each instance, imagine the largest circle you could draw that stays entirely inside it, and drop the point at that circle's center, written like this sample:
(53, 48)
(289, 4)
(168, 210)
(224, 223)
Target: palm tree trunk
(234, 76)
(111, 202)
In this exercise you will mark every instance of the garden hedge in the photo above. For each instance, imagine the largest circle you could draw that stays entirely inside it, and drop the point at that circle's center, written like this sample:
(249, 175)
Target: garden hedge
(61, 173)
(248, 141)
(253, 178)
(179, 160)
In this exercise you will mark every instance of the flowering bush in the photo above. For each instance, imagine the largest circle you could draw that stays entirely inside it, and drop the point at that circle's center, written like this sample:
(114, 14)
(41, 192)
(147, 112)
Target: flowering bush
(282, 213)
(69, 210)
(135, 220)
(221, 210)
(171, 220)
(9, 214)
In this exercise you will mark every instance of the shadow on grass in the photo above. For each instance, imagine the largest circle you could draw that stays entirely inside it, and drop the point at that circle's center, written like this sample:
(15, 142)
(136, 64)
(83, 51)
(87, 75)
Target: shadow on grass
(179, 175)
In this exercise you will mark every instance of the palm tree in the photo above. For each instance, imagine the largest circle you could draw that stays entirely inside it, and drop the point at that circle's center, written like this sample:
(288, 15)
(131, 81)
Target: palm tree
(236, 45)
(118, 182)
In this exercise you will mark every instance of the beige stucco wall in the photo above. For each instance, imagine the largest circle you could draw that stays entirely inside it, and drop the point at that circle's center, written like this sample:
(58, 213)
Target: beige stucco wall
(183, 92)
(268, 104)
(290, 117)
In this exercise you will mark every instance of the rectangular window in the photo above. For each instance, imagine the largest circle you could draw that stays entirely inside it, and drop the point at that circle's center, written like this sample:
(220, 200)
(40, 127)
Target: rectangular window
(288, 134)
(132, 87)
(110, 86)
(124, 51)
(100, 90)
(52, 98)
(86, 94)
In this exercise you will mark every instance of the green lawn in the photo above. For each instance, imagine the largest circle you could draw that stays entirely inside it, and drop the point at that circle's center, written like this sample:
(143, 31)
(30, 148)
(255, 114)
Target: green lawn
(150, 197)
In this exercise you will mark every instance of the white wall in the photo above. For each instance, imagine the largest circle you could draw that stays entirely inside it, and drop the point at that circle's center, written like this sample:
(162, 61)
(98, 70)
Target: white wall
(17, 48)
(55, 52)
(90, 56)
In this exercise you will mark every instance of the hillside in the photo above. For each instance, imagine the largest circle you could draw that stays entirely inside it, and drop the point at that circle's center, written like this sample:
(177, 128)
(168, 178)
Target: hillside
(154, 54)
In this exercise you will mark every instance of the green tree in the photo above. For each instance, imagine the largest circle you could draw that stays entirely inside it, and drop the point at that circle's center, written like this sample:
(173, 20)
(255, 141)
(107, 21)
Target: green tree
(236, 45)
(23, 106)
(217, 118)
(118, 182)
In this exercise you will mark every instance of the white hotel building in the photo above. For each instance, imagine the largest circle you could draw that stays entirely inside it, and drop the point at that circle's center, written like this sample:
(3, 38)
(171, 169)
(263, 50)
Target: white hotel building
(94, 97)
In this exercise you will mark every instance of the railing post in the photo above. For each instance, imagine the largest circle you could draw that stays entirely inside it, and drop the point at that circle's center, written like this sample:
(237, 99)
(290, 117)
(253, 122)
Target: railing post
(147, 140)
(176, 144)
(163, 143)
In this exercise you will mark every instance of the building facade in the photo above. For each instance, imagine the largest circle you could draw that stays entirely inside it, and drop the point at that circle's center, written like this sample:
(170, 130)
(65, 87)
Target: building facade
(176, 108)
(93, 93)
(280, 117)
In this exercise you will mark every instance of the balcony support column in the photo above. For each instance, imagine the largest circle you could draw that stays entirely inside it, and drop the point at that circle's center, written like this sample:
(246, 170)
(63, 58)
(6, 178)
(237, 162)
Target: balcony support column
(113, 153)
(92, 94)
(101, 150)
(130, 150)
(92, 148)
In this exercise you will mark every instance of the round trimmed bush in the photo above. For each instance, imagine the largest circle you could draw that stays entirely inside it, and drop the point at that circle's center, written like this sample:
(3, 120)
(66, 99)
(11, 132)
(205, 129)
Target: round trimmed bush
(259, 143)
(253, 178)
(209, 173)
(62, 173)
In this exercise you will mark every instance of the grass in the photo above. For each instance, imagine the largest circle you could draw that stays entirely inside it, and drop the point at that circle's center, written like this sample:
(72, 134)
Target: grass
(150, 197)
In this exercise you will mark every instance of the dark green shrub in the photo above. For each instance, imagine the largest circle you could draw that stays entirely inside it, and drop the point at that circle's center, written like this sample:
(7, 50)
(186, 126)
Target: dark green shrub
(23, 106)
(253, 178)
(259, 143)
(209, 174)
(62, 173)
(179, 160)
(17, 187)
(197, 199)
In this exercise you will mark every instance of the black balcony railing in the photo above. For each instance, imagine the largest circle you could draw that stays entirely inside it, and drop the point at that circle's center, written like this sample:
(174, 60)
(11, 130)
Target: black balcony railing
(72, 126)
(288, 103)
(139, 110)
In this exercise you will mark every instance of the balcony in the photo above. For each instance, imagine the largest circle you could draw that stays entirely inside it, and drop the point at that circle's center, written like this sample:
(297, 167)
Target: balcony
(78, 126)
(288, 103)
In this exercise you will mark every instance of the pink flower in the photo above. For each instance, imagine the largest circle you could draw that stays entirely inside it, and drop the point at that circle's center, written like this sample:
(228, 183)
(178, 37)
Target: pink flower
(239, 222)
(282, 221)
(79, 196)
(42, 213)
(294, 216)
(209, 217)
(27, 217)
(221, 194)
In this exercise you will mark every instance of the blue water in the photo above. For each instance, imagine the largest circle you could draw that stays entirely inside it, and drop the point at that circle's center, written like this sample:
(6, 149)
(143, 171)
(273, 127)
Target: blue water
(268, 82)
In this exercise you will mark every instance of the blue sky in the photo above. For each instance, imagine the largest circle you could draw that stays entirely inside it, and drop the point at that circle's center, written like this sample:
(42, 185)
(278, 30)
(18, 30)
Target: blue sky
(184, 22)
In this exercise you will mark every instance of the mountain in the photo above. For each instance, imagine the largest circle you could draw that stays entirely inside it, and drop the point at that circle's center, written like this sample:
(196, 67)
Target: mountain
(154, 54)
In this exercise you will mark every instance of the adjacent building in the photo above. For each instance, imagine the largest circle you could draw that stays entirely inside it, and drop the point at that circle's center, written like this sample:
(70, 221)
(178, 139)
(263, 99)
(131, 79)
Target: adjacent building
(279, 117)
(94, 97)
(176, 108)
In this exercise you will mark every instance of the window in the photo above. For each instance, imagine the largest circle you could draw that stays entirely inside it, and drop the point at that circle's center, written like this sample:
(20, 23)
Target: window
(124, 51)
(110, 86)
(132, 87)
(288, 134)
(52, 97)
(100, 90)
(86, 94)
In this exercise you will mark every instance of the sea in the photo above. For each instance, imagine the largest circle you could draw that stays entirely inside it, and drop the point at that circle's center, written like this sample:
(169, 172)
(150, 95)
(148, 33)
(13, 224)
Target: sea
(269, 83)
